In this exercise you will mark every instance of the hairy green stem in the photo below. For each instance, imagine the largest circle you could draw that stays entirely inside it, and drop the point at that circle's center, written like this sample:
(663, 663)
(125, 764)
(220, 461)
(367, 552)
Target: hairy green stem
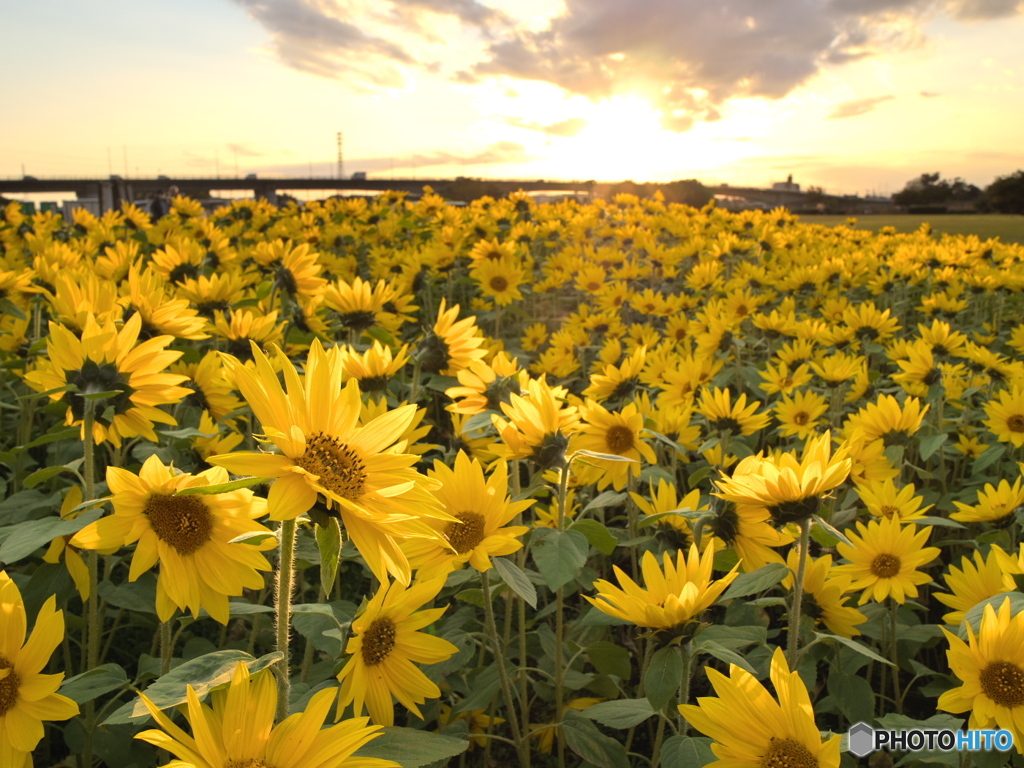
(93, 622)
(522, 746)
(166, 647)
(793, 640)
(283, 614)
(563, 491)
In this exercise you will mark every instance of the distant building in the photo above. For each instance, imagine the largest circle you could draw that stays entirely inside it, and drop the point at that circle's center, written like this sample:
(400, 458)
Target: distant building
(786, 186)
(359, 176)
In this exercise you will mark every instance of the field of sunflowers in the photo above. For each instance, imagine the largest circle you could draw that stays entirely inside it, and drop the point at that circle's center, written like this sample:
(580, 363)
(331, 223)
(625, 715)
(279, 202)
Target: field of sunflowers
(379, 482)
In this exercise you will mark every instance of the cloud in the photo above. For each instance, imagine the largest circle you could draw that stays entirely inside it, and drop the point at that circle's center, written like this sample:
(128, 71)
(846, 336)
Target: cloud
(930, 94)
(245, 151)
(983, 10)
(565, 128)
(856, 107)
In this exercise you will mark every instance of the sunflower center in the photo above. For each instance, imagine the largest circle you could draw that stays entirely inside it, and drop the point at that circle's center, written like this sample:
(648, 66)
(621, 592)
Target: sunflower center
(1002, 681)
(619, 439)
(8, 687)
(801, 418)
(378, 641)
(358, 321)
(94, 378)
(374, 383)
(885, 566)
(498, 283)
(184, 522)
(339, 468)
(1016, 423)
(726, 425)
(465, 535)
(253, 763)
(888, 510)
(787, 753)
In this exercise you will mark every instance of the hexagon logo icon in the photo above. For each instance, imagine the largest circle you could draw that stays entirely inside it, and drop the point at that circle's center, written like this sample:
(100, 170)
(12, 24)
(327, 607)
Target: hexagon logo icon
(861, 739)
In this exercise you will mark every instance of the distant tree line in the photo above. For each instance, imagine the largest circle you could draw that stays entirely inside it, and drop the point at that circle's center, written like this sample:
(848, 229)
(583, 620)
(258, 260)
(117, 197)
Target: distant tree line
(930, 192)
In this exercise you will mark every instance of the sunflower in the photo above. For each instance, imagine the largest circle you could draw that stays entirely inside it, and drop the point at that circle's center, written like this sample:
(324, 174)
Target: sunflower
(237, 730)
(295, 268)
(189, 535)
(385, 646)
(181, 263)
(357, 302)
(675, 593)
(753, 730)
(991, 666)
(613, 433)
(790, 489)
(726, 417)
(996, 505)
(107, 360)
(977, 581)
(887, 420)
(823, 595)
(451, 344)
(27, 697)
(781, 379)
(363, 470)
(241, 328)
(499, 280)
(666, 499)
(800, 413)
(884, 559)
(210, 387)
(1006, 416)
(538, 425)
(61, 545)
(485, 386)
(161, 314)
(482, 510)
(882, 499)
(373, 368)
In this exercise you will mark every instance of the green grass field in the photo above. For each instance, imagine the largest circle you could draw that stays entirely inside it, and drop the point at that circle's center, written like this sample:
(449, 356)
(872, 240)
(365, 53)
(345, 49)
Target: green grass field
(1008, 228)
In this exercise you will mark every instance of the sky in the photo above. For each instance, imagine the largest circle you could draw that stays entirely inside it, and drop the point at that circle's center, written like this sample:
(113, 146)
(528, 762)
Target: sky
(855, 96)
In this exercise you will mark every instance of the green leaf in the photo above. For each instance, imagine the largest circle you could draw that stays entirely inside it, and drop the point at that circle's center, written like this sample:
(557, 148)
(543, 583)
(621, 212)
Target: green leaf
(991, 455)
(624, 713)
(602, 456)
(234, 485)
(44, 474)
(756, 581)
(105, 395)
(685, 512)
(597, 535)
(610, 659)
(138, 596)
(25, 538)
(54, 391)
(833, 533)
(853, 695)
(930, 444)
(559, 555)
(664, 674)
(253, 537)
(606, 499)
(517, 581)
(8, 307)
(858, 647)
(974, 615)
(87, 686)
(722, 653)
(203, 674)
(583, 738)
(328, 541)
(686, 752)
(411, 748)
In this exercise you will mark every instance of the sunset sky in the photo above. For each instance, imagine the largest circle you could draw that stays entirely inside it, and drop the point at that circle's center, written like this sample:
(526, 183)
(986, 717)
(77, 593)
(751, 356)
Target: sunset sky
(857, 96)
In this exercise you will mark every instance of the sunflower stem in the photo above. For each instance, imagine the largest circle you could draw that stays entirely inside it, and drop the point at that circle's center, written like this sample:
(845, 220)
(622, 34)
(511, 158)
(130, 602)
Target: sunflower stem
(93, 623)
(793, 641)
(684, 685)
(283, 613)
(499, 659)
(563, 492)
(166, 647)
(895, 655)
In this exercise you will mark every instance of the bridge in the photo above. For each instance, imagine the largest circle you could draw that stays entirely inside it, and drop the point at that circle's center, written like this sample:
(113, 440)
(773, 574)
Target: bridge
(109, 192)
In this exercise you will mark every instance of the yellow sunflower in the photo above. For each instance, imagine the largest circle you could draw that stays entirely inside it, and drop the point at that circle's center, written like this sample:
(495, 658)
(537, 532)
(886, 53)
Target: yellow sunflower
(800, 413)
(499, 279)
(884, 559)
(977, 581)
(887, 420)
(1006, 416)
(725, 417)
(27, 697)
(991, 666)
(237, 730)
(363, 471)
(189, 535)
(482, 510)
(451, 344)
(538, 425)
(674, 593)
(373, 368)
(105, 359)
(613, 433)
(385, 647)
(882, 499)
(485, 386)
(824, 592)
(753, 730)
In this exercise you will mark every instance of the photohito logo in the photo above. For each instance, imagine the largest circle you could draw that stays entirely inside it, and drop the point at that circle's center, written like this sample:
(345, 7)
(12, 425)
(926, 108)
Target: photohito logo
(863, 740)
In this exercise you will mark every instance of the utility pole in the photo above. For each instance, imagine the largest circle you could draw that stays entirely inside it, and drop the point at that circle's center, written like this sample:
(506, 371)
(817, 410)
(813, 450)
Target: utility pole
(341, 162)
